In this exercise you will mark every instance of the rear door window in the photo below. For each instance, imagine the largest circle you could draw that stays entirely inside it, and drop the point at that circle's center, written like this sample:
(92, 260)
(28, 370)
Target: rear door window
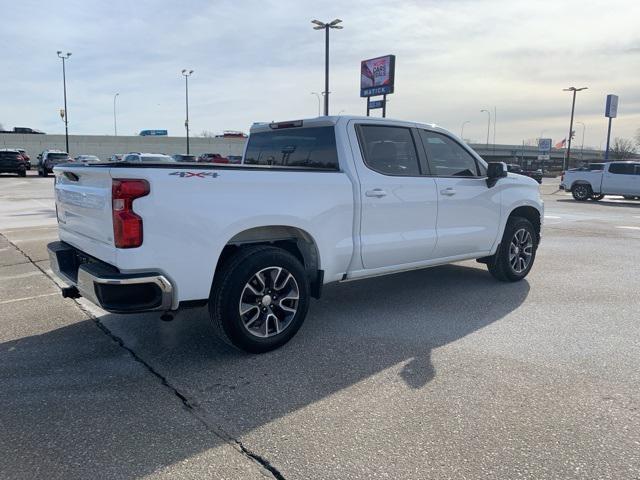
(312, 147)
(389, 150)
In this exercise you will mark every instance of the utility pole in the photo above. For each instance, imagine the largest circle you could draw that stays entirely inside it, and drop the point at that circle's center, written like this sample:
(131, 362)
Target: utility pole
(187, 74)
(488, 124)
(64, 87)
(326, 26)
(573, 107)
(115, 122)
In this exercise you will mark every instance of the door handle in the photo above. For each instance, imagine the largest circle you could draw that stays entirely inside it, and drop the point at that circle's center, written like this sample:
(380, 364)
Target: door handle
(448, 191)
(376, 192)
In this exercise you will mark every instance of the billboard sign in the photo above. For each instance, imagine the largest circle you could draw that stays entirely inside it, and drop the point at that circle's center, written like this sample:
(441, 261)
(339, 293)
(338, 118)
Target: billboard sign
(373, 104)
(611, 110)
(377, 76)
(544, 144)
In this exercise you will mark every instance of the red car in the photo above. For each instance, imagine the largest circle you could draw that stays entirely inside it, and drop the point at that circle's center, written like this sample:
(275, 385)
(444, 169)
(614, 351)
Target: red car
(25, 157)
(212, 158)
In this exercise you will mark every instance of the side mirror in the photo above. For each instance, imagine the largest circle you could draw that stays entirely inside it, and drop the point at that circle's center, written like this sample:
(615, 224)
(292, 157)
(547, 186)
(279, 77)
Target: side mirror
(495, 171)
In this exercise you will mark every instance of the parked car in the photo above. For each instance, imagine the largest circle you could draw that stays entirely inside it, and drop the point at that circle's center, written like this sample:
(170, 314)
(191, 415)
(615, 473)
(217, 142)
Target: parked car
(179, 157)
(49, 159)
(116, 157)
(25, 157)
(535, 174)
(235, 159)
(616, 178)
(326, 200)
(212, 158)
(137, 157)
(86, 159)
(11, 161)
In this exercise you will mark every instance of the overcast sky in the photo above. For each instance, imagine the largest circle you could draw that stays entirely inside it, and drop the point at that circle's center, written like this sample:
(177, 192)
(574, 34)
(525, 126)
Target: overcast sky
(260, 61)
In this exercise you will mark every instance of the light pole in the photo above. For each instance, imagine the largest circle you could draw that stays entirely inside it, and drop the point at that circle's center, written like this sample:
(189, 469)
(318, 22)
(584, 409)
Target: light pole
(64, 86)
(584, 127)
(115, 123)
(319, 101)
(186, 73)
(488, 124)
(326, 26)
(573, 107)
(462, 128)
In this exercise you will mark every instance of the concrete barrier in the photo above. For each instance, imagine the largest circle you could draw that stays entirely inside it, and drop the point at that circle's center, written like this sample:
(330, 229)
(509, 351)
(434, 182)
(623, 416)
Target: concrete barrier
(104, 146)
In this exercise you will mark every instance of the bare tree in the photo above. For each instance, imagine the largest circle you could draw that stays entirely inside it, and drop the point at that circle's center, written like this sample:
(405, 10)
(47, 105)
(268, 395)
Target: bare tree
(638, 137)
(622, 148)
(207, 134)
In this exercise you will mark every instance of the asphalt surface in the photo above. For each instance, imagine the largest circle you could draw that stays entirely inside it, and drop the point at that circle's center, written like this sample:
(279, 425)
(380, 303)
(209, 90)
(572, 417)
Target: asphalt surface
(440, 373)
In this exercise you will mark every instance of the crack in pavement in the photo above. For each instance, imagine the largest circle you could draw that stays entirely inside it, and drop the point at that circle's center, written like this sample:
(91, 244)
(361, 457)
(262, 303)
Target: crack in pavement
(187, 404)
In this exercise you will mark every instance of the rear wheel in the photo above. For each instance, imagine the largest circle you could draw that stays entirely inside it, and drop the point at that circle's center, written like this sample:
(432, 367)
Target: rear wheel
(516, 253)
(581, 192)
(22, 173)
(259, 298)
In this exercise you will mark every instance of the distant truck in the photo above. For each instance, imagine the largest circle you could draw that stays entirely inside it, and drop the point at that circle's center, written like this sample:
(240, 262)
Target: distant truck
(615, 178)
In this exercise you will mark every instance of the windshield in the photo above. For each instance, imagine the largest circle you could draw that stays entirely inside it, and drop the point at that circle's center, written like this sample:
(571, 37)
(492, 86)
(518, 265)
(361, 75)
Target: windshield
(156, 158)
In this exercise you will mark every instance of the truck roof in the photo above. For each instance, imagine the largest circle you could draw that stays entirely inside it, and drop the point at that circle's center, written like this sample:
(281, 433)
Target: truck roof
(334, 120)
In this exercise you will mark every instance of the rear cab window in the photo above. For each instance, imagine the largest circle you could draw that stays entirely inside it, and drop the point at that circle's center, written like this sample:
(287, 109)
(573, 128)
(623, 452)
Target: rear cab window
(622, 168)
(306, 147)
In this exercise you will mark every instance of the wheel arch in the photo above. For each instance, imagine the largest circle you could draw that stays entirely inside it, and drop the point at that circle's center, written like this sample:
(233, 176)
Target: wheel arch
(295, 240)
(530, 213)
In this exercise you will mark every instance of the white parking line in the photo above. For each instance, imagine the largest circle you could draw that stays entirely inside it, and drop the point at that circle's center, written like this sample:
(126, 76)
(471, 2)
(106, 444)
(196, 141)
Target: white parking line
(28, 298)
(628, 227)
(22, 275)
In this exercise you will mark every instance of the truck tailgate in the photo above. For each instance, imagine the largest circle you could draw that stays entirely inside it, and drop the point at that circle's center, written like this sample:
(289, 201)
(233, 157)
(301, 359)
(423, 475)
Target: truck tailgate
(83, 203)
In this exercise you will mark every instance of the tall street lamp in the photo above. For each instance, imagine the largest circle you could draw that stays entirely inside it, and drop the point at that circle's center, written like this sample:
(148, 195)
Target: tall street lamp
(115, 123)
(573, 107)
(319, 101)
(64, 86)
(326, 26)
(462, 128)
(488, 123)
(584, 127)
(187, 74)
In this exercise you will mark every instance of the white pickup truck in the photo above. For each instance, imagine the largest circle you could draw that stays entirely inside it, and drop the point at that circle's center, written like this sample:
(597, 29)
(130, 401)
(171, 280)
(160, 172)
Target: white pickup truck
(612, 178)
(315, 201)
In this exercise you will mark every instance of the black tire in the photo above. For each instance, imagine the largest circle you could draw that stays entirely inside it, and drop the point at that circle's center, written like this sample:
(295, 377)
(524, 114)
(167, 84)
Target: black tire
(39, 173)
(45, 173)
(597, 196)
(499, 265)
(581, 192)
(230, 285)
(23, 173)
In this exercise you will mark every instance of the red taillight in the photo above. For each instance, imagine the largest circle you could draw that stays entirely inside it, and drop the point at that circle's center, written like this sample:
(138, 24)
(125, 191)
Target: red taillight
(127, 226)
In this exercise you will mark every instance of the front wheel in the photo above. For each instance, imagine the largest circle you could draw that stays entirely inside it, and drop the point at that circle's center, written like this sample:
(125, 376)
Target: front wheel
(259, 298)
(581, 192)
(516, 253)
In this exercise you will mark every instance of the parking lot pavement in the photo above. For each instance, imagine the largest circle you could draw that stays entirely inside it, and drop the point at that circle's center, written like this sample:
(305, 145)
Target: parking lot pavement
(441, 373)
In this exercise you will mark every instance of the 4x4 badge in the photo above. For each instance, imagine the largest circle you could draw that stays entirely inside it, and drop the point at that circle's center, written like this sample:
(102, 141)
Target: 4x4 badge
(195, 174)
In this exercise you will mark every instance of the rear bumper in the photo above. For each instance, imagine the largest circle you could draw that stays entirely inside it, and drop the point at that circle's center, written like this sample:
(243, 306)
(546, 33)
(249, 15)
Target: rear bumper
(105, 286)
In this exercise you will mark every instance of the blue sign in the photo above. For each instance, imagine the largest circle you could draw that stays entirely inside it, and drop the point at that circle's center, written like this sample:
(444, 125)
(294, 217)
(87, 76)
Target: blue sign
(611, 110)
(373, 91)
(153, 133)
(544, 144)
(373, 104)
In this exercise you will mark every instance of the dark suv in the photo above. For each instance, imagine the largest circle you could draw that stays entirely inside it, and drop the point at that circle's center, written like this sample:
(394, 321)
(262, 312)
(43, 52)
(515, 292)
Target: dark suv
(11, 161)
(49, 159)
